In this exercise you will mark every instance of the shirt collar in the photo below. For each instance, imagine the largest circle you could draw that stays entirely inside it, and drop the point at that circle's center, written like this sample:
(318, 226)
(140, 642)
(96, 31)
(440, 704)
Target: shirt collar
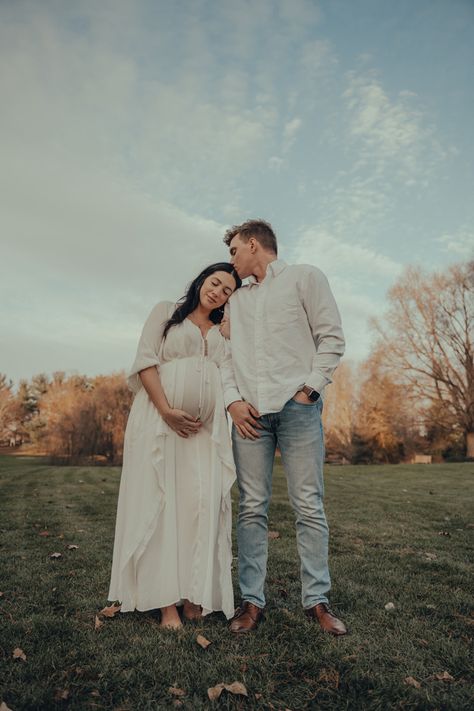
(273, 269)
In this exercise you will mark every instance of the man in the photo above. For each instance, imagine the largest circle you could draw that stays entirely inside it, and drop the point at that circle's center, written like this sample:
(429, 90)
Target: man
(286, 341)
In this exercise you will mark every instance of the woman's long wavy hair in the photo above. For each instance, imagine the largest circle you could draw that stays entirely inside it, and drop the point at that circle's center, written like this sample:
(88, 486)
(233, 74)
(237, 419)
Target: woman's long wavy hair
(190, 300)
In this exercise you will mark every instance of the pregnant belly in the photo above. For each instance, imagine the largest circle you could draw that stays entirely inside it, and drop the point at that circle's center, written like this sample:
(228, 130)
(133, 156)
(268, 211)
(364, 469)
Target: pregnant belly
(190, 385)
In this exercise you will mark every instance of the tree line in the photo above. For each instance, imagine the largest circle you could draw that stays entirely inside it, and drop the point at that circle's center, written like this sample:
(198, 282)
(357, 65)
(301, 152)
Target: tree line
(414, 394)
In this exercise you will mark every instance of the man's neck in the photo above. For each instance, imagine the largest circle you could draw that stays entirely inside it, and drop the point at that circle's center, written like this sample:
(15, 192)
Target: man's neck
(260, 269)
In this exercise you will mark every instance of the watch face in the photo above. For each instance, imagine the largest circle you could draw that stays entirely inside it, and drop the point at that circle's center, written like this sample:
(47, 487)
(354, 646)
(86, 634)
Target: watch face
(314, 396)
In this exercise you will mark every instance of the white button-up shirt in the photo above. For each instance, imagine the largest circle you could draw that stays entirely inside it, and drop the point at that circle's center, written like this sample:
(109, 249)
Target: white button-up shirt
(285, 332)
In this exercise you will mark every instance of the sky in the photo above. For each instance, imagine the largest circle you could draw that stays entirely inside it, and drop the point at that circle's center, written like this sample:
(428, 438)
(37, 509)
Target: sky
(133, 133)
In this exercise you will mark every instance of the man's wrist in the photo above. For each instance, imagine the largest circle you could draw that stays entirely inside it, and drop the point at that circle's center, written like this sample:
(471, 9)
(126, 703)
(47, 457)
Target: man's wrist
(311, 393)
(232, 403)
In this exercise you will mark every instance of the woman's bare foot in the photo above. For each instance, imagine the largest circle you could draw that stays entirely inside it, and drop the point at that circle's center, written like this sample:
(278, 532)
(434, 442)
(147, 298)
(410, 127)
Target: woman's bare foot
(191, 611)
(170, 618)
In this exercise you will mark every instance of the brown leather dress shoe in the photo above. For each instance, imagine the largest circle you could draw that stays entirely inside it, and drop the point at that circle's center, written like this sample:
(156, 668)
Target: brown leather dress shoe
(327, 619)
(246, 618)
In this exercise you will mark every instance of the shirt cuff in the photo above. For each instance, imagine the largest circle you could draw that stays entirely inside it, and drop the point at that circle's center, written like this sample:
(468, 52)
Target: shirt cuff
(317, 382)
(231, 396)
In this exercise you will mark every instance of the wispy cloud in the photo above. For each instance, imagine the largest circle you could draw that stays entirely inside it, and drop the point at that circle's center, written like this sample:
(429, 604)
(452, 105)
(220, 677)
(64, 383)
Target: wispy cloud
(459, 245)
(389, 132)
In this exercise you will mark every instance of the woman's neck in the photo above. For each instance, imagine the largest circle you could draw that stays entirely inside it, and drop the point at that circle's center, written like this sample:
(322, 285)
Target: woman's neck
(200, 314)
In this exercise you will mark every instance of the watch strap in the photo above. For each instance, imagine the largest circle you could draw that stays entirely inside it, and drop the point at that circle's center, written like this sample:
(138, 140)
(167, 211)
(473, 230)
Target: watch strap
(312, 394)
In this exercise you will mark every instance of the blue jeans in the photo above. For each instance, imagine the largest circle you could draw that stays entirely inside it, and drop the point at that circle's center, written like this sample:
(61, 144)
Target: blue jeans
(297, 431)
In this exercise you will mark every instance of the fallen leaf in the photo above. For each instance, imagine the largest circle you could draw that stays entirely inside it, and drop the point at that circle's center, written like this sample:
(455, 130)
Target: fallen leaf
(423, 643)
(430, 556)
(61, 536)
(330, 676)
(443, 676)
(389, 606)
(175, 691)
(202, 641)
(72, 547)
(43, 534)
(95, 693)
(215, 691)
(61, 695)
(56, 555)
(98, 623)
(110, 611)
(444, 533)
(19, 654)
(411, 681)
(235, 688)
(273, 534)
(4, 707)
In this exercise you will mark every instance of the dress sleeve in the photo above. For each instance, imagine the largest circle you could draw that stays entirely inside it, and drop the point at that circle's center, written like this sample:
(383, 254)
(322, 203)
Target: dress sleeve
(149, 343)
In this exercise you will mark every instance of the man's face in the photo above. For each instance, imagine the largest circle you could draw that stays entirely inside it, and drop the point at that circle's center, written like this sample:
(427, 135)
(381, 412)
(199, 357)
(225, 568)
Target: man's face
(242, 256)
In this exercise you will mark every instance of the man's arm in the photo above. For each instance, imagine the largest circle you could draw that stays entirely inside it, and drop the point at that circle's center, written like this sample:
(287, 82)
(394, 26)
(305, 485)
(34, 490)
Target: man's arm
(325, 323)
(243, 413)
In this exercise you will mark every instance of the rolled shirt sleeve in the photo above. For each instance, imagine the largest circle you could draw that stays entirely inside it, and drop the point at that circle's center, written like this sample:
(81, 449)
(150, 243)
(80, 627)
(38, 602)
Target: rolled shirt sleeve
(325, 323)
(231, 391)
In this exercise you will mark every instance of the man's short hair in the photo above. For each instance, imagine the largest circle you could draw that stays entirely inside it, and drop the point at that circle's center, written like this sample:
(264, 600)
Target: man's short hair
(261, 230)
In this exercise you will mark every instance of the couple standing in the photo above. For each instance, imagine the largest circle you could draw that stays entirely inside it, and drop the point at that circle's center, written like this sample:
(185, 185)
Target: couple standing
(173, 531)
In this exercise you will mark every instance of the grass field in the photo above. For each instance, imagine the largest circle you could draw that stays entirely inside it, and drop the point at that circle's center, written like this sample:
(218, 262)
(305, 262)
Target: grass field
(399, 534)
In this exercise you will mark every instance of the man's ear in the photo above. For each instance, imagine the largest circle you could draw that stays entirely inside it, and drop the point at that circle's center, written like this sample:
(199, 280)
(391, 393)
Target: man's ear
(253, 244)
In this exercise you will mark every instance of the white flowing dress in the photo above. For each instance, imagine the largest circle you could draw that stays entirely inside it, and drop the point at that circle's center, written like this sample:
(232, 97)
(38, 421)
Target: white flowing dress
(173, 529)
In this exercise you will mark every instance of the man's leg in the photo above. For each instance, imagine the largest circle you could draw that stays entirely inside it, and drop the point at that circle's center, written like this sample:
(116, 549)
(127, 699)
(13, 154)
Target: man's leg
(254, 464)
(300, 438)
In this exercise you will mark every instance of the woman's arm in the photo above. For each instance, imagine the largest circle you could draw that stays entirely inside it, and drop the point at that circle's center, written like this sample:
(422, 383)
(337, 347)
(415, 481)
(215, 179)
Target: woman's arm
(179, 420)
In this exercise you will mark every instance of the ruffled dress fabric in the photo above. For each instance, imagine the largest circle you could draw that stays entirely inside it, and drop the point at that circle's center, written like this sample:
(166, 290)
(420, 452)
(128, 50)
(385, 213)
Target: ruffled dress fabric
(173, 529)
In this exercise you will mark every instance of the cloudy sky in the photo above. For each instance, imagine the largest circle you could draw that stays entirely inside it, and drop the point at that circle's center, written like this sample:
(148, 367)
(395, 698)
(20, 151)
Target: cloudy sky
(133, 132)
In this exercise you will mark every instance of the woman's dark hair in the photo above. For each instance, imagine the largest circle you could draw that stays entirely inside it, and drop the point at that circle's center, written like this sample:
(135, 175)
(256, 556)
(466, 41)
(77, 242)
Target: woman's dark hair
(190, 300)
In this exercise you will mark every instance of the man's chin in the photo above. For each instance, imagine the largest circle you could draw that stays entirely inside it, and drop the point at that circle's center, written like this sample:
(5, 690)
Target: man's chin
(242, 275)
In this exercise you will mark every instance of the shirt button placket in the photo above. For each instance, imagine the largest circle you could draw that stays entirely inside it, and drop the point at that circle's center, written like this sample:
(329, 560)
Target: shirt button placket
(259, 337)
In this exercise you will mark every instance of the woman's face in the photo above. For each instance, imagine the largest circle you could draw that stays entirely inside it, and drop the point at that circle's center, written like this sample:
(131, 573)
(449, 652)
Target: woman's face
(216, 289)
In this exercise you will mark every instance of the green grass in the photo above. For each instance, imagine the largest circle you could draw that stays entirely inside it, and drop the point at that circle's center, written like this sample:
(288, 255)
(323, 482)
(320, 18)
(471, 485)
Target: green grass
(383, 520)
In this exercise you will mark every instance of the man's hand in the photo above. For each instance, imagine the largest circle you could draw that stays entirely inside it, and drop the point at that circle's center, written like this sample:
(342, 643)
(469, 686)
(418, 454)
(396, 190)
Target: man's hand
(181, 422)
(224, 328)
(245, 416)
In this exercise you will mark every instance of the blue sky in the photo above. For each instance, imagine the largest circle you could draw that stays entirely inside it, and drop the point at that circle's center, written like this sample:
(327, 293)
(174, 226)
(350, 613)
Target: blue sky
(133, 133)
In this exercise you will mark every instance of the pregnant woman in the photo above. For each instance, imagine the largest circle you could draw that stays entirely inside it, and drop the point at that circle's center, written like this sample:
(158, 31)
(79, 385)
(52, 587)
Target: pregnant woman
(173, 531)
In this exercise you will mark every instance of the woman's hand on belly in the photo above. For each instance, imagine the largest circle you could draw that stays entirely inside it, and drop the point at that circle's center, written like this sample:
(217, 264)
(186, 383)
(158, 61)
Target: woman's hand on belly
(181, 422)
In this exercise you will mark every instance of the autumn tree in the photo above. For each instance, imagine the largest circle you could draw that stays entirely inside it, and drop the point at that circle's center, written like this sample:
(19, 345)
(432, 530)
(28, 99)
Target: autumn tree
(338, 413)
(83, 419)
(386, 426)
(427, 336)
